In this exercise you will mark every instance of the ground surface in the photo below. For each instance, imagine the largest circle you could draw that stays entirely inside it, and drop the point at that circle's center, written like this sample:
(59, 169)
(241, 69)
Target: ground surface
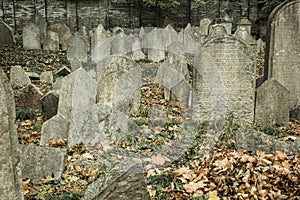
(225, 174)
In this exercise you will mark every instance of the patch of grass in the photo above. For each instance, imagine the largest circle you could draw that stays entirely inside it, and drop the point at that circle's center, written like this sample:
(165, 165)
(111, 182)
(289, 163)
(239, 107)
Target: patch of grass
(72, 196)
(27, 114)
(273, 130)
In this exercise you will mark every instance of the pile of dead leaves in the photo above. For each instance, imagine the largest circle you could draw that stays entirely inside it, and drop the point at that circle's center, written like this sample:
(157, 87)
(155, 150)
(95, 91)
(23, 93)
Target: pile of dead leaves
(234, 175)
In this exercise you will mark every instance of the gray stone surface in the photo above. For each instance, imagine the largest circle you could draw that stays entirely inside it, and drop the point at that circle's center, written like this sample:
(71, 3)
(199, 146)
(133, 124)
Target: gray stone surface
(10, 170)
(31, 36)
(248, 139)
(64, 34)
(272, 104)
(261, 47)
(46, 77)
(50, 104)
(232, 62)
(6, 34)
(18, 77)
(77, 48)
(124, 181)
(283, 48)
(155, 45)
(41, 162)
(98, 36)
(204, 26)
(121, 44)
(55, 128)
(51, 41)
(75, 64)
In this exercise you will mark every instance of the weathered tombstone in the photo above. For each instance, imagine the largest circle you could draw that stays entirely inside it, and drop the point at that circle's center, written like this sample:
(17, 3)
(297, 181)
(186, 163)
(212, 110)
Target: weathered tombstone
(18, 77)
(244, 22)
(31, 36)
(41, 162)
(272, 104)
(169, 35)
(137, 53)
(260, 47)
(46, 77)
(176, 48)
(49, 104)
(125, 181)
(77, 48)
(155, 45)
(243, 34)
(217, 30)
(250, 140)
(283, 48)
(234, 63)
(55, 128)
(28, 97)
(101, 50)
(10, 170)
(75, 64)
(51, 41)
(120, 44)
(99, 35)
(64, 34)
(204, 26)
(6, 34)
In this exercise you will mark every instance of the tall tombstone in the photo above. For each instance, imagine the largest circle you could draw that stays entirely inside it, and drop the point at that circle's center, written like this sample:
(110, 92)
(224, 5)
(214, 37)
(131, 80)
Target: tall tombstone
(234, 62)
(10, 170)
(31, 36)
(243, 34)
(155, 45)
(283, 48)
(272, 104)
(51, 41)
(6, 34)
(77, 48)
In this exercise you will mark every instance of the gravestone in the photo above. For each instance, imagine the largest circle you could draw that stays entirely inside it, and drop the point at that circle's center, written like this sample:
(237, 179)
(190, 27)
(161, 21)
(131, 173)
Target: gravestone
(234, 63)
(260, 47)
(64, 34)
(272, 104)
(63, 71)
(49, 104)
(243, 34)
(137, 53)
(245, 23)
(101, 50)
(77, 48)
(169, 36)
(283, 48)
(28, 97)
(6, 34)
(10, 170)
(120, 44)
(98, 36)
(51, 41)
(124, 181)
(31, 36)
(204, 26)
(249, 140)
(18, 77)
(217, 30)
(75, 64)
(155, 45)
(41, 162)
(46, 77)
(55, 128)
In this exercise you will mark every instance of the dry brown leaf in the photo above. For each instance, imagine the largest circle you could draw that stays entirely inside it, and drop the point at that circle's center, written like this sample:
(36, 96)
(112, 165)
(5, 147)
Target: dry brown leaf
(159, 159)
(192, 187)
(88, 156)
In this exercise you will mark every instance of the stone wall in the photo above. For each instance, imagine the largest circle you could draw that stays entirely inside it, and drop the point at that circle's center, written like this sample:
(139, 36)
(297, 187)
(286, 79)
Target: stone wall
(124, 13)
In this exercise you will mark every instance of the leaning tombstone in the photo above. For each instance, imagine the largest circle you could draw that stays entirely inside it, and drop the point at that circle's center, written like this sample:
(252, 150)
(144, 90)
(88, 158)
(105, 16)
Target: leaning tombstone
(18, 77)
(272, 104)
(204, 26)
(28, 97)
(243, 34)
(6, 34)
(31, 36)
(10, 170)
(46, 77)
(282, 55)
(49, 104)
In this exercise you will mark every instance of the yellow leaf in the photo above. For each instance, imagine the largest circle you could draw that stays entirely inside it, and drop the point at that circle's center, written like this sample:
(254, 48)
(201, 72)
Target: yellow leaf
(213, 195)
(159, 159)
(88, 156)
(192, 187)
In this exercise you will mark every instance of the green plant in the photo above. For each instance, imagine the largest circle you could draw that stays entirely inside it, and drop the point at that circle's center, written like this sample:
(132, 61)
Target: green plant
(26, 114)
(269, 5)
